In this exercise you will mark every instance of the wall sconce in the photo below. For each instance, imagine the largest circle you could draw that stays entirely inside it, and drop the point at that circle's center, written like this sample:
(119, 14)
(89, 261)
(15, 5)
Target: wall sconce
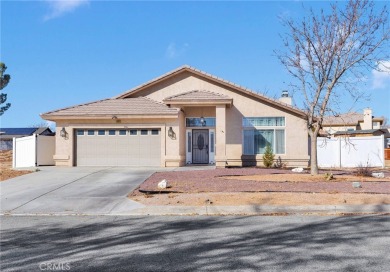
(171, 133)
(63, 133)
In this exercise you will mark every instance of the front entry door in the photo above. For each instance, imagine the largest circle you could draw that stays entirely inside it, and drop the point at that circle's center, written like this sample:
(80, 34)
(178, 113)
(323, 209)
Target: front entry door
(200, 146)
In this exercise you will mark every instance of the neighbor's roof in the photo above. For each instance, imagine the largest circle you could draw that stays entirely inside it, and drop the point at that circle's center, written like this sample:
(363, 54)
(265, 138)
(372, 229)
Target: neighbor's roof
(365, 131)
(187, 68)
(20, 132)
(110, 107)
(351, 118)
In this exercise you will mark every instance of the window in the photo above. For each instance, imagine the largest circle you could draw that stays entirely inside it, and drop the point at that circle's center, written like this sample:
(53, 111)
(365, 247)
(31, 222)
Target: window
(263, 122)
(154, 131)
(144, 132)
(101, 132)
(122, 132)
(80, 132)
(91, 132)
(111, 132)
(196, 122)
(258, 132)
(133, 132)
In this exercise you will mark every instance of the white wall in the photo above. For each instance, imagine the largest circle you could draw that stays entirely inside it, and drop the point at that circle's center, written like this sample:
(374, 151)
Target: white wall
(24, 152)
(351, 152)
(35, 150)
(45, 150)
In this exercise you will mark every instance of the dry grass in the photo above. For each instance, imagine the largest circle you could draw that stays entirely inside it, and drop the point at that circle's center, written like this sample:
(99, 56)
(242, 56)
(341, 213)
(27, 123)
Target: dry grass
(6, 171)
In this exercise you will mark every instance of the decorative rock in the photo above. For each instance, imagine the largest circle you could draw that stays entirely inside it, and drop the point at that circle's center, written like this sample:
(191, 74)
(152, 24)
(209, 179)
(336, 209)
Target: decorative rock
(163, 184)
(298, 170)
(378, 175)
(356, 184)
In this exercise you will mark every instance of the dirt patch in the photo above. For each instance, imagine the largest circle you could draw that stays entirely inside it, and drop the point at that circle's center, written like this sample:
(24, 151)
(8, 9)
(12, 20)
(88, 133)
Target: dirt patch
(233, 199)
(6, 171)
(254, 186)
(338, 177)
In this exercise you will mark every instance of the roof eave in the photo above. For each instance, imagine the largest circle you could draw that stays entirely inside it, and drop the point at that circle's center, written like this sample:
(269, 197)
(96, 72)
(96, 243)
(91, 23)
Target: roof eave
(110, 116)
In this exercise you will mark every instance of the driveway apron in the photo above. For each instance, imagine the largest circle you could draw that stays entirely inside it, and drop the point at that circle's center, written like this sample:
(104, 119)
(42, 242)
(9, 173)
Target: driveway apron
(76, 190)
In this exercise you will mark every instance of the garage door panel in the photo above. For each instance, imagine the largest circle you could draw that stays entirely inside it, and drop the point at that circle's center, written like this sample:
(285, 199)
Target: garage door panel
(118, 150)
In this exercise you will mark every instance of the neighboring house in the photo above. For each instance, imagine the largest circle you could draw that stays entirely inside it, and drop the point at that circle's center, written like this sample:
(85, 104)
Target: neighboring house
(7, 135)
(353, 121)
(183, 117)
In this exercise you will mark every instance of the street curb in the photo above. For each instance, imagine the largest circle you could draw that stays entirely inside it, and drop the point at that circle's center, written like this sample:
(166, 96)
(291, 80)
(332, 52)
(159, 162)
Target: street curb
(233, 210)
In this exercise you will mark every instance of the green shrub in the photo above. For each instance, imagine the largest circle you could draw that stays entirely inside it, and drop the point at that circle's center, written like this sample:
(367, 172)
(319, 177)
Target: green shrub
(268, 157)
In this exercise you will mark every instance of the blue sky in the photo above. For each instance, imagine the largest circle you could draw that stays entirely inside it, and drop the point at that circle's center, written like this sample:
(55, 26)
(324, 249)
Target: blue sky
(65, 53)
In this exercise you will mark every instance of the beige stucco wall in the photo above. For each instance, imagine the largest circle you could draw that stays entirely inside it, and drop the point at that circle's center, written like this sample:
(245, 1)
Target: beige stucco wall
(243, 105)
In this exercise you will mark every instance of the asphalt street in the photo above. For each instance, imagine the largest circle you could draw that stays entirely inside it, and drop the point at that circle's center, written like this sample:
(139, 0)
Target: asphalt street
(195, 243)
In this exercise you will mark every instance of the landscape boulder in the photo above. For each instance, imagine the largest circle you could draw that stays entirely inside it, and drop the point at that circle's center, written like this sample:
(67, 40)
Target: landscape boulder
(378, 175)
(298, 170)
(163, 184)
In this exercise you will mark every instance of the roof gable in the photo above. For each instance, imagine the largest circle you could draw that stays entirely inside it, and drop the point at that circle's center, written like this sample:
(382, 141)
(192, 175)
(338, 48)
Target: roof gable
(197, 95)
(240, 89)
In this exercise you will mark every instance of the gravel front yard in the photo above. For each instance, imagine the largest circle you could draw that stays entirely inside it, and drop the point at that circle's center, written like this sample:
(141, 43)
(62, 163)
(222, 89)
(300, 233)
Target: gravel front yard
(255, 186)
(262, 180)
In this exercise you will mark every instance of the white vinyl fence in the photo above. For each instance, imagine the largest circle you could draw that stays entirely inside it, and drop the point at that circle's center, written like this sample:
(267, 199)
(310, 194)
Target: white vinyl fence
(35, 150)
(351, 151)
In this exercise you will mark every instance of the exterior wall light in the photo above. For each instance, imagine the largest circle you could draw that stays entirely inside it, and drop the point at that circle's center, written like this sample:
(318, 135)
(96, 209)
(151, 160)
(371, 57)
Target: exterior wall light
(63, 133)
(171, 133)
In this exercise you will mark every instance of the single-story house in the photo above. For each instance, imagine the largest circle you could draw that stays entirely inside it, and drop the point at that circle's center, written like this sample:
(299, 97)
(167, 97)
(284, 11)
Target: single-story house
(184, 117)
(351, 121)
(7, 135)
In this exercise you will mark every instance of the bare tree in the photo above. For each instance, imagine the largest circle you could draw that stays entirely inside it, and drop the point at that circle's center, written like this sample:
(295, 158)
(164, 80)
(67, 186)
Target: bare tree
(327, 53)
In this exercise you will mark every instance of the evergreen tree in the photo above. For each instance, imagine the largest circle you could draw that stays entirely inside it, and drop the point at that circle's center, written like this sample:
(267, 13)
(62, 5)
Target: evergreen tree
(4, 79)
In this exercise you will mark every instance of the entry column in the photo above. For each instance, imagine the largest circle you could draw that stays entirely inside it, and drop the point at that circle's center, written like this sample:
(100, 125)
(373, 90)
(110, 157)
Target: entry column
(220, 133)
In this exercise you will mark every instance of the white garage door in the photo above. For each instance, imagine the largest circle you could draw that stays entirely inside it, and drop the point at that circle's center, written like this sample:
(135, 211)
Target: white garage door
(118, 147)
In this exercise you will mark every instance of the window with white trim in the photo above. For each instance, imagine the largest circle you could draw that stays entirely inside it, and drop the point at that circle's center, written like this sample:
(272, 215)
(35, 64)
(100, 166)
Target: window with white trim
(258, 132)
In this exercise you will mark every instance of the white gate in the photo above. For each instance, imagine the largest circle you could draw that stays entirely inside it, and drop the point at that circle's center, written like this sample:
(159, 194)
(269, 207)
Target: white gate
(31, 151)
(351, 152)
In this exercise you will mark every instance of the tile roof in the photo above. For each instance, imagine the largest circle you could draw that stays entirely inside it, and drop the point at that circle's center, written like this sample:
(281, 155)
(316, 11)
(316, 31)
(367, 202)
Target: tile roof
(127, 106)
(351, 118)
(197, 95)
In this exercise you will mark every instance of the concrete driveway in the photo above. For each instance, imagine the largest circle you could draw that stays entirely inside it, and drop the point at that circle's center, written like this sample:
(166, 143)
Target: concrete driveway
(76, 190)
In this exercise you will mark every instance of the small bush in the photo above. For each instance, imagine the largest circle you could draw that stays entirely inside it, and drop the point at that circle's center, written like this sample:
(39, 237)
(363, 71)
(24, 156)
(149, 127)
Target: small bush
(279, 164)
(268, 157)
(328, 176)
(363, 170)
